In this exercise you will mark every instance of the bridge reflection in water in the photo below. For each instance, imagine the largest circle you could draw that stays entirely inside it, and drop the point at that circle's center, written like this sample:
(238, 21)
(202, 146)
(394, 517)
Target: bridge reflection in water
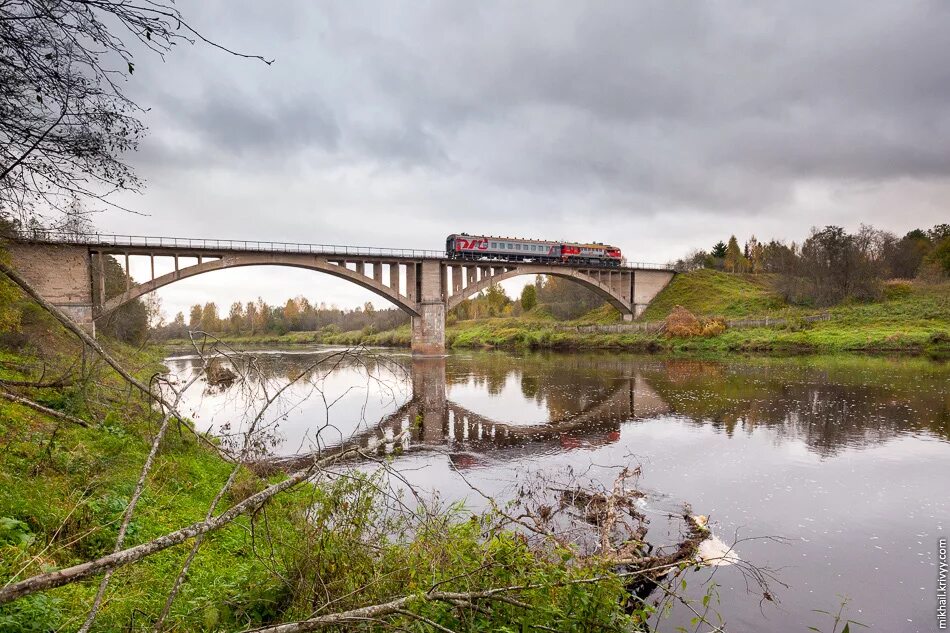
(431, 419)
(489, 405)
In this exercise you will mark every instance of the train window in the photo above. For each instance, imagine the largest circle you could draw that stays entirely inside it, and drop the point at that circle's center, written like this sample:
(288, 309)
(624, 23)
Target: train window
(510, 246)
(494, 245)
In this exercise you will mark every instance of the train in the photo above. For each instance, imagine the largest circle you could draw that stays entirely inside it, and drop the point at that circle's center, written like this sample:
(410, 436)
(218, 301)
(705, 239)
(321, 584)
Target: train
(480, 247)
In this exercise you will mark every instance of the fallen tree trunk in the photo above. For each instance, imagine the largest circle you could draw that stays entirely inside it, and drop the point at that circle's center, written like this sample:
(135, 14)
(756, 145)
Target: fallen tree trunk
(26, 402)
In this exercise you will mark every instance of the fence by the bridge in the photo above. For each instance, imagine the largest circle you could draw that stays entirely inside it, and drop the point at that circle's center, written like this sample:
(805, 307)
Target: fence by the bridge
(656, 326)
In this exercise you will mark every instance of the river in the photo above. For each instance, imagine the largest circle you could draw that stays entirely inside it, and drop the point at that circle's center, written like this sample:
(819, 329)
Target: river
(846, 460)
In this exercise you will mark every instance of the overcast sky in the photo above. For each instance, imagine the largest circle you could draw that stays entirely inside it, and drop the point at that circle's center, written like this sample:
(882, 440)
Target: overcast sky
(656, 126)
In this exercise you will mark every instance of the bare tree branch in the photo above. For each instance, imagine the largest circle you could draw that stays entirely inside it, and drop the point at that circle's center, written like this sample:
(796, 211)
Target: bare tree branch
(139, 488)
(26, 402)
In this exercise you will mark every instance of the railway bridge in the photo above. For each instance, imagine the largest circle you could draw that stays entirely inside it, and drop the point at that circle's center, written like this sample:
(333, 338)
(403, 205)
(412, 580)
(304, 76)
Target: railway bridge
(69, 271)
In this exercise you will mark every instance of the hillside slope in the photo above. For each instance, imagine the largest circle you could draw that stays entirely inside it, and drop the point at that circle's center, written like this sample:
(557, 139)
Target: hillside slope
(710, 292)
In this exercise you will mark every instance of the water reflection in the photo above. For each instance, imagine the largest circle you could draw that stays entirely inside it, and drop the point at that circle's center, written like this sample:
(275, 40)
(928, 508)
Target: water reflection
(504, 405)
(847, 458)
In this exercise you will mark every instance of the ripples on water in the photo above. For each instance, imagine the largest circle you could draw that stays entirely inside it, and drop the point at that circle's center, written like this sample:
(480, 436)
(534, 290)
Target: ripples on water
(846, 458)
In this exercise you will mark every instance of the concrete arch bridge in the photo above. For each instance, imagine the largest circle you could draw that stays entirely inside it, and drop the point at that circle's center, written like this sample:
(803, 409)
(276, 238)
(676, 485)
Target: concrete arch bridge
(68, 270)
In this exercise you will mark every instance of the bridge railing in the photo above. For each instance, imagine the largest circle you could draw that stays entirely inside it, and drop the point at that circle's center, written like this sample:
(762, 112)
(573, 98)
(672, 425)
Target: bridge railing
(148, 241)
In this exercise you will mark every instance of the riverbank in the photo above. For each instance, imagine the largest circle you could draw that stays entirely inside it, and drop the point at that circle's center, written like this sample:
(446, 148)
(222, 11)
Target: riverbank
(912, 318)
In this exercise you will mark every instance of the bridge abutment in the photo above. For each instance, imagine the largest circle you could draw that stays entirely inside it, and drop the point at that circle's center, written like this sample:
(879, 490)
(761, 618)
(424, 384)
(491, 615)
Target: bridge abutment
(61, 274)
(647, 284)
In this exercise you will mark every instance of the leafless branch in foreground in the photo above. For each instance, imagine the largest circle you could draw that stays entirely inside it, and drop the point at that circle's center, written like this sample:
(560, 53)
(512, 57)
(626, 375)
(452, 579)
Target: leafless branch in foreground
(139, 489)
(26, 402)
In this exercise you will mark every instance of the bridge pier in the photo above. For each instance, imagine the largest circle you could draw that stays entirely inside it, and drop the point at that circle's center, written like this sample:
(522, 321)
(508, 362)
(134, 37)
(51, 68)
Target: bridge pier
(428, 329)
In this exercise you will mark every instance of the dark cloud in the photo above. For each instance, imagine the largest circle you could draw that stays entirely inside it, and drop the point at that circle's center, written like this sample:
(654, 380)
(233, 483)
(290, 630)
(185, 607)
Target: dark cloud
(618, 94)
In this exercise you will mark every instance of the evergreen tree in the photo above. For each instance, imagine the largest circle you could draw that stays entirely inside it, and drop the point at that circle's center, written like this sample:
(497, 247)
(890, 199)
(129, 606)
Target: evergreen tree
(529, 297)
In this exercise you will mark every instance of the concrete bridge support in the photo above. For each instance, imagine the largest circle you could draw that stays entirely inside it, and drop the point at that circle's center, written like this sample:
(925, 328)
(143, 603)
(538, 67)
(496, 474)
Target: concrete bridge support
(647, 285)
(62, 274)
(428, 328)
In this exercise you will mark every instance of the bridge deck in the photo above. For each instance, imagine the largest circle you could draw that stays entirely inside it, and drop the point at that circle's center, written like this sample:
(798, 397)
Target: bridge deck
(183, 246)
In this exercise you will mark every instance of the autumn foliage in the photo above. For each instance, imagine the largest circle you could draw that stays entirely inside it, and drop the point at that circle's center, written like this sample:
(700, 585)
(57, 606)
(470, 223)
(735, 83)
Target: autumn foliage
(683, 323)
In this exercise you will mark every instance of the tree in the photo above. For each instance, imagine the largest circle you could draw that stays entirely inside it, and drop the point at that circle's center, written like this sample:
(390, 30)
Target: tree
(263, 317)
(235, 317)
(291, 314)
(65, 122)
(250, 318)
(177, 328)
(695, 260)
(779, 258)
(719, 250)
(529, 297)
(939, 232)
(734, 261)
(128, 323)
(833, 266)
(153, 309)
(903, 257)
(754, 252)
(209, 317)
(566, 299)
(194, 317)
(936, 265)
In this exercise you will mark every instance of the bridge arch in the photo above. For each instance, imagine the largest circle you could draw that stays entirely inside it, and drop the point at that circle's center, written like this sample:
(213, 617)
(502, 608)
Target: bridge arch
(605, 290)
(316, 263)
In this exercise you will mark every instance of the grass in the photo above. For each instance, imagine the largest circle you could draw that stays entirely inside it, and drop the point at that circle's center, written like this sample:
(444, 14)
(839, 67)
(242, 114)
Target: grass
(912, 317)
(68, 486)
(712, 293)
(399, 337)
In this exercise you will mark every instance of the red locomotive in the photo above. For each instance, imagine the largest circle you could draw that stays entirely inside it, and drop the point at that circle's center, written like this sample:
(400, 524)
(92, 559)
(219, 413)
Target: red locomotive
(473, 247)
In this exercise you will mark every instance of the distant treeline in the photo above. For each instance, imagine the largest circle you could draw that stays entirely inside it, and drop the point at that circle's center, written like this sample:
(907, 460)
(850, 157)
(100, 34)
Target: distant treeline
(832, 265)
(558, 297)
(296, 315)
